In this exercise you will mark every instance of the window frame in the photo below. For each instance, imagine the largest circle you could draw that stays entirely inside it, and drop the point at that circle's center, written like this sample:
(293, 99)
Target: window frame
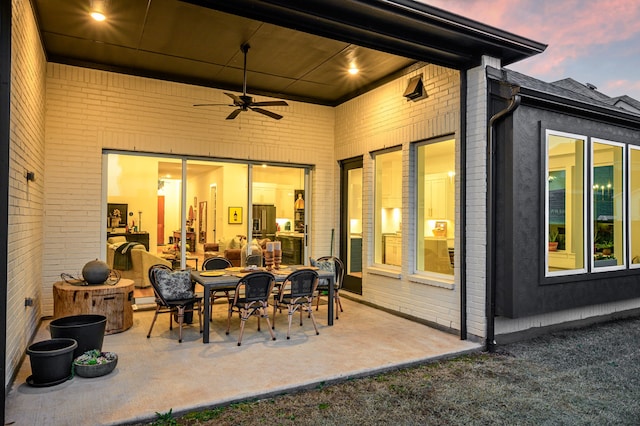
(377, 227)
(625, 194)
(438, 276)
(547, 170)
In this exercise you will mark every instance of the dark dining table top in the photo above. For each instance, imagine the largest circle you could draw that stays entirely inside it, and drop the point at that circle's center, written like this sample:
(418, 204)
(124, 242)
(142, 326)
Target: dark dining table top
(231, 276)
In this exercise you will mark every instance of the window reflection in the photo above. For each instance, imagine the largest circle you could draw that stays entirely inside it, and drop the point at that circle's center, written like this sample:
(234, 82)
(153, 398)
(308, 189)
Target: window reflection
(565, 204)
(607, 201)
(388, 201)
(435, 206)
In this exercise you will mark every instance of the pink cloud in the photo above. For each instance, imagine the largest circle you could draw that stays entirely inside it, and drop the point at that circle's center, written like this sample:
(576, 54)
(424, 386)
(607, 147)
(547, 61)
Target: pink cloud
(571, 28)
(620, 86)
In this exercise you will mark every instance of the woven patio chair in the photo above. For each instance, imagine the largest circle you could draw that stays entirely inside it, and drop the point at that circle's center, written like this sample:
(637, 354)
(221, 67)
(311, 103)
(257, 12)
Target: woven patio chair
(296, 294)
(323, 285)
(174, 295)
(252, 298)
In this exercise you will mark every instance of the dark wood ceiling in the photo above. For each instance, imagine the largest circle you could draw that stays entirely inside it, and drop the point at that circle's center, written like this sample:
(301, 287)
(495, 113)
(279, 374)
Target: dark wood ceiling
(193, 42)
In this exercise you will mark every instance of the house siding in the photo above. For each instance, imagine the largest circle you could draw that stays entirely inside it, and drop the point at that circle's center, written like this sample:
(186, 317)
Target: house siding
(90, 111)
(383, 118)
(26, 153)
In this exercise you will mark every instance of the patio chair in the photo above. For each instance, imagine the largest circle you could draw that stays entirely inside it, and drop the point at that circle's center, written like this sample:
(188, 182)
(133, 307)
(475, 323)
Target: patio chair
(335, 264)
(252, 298)
(213, 263)
(296, 293)
(174, 295)
(216, 262)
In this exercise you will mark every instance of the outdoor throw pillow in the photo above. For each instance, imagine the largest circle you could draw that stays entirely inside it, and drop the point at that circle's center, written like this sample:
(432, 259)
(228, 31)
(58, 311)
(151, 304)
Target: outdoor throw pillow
(324, 265)
(174, 285)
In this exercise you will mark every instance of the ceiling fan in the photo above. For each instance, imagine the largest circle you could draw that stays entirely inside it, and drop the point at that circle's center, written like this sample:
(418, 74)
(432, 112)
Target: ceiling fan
(244, 102)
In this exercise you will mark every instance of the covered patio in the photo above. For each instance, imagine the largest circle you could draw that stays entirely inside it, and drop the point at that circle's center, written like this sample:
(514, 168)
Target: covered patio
(159, 374)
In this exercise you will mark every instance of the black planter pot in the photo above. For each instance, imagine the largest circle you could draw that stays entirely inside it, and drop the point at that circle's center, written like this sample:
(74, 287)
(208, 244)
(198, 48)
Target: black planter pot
(87, 330)
(51, 361)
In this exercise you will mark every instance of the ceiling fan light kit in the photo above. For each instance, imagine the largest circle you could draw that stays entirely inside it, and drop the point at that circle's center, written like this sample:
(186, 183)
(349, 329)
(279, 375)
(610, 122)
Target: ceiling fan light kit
(245, 102)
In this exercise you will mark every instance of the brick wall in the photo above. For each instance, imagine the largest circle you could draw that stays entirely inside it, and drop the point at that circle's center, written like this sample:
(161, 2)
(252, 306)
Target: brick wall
(90, 110)
(383, 118)
(26, 153)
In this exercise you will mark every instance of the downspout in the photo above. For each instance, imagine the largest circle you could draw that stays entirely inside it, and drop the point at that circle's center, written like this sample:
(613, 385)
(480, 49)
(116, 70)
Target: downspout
(491, 216)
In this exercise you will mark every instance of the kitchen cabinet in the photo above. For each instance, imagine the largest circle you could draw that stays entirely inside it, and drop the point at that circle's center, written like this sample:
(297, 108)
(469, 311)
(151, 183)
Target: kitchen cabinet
(392, 250)
(355, 254)
(436, 196)
(292, 249)
(391, 185)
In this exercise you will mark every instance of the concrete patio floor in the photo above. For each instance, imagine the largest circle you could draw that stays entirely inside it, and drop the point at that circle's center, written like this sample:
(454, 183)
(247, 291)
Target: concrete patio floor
(158, 374)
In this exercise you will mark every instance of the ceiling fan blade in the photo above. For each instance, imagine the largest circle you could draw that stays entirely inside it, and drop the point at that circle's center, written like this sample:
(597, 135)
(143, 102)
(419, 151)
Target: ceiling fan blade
(236, 98)
(270, 103)
(234, 114)
(267, 113)
(198, 105)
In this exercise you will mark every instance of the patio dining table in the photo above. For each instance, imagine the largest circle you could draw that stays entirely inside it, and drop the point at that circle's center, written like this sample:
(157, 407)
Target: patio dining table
(230, 279)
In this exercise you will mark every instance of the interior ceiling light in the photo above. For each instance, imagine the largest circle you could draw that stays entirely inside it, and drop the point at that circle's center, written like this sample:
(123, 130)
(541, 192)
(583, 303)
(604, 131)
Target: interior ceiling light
(98, 10)
(353, 70)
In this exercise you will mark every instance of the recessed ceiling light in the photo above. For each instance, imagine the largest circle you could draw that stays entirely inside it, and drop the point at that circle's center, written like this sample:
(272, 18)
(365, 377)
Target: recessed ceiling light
(98, 10)
(98, 16)
(353, 69)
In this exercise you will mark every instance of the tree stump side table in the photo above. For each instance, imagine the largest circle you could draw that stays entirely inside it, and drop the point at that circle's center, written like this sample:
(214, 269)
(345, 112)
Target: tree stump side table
(113, 301)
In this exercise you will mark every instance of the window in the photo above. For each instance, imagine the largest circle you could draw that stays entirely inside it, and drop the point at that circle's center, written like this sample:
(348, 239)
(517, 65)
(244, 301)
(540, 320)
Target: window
(388, 207)
(607, 204)
(634, 203)
(435, 206)
(565, 204)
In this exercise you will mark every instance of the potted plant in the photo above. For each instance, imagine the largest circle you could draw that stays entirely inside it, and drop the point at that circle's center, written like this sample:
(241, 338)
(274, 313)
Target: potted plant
(95, 363)
(553, 240)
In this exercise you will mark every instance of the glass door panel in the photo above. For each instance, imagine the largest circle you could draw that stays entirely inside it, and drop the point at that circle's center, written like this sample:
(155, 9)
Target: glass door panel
(278, 210)
(351, 224)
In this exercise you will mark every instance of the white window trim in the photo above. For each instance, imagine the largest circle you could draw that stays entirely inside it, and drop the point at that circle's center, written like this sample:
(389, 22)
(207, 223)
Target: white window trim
(585, 222)
(625, 194)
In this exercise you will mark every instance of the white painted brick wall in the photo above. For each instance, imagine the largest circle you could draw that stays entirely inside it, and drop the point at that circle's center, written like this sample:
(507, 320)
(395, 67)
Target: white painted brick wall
(476, 200)
(383, 118)
(26, 153)
(89, 110)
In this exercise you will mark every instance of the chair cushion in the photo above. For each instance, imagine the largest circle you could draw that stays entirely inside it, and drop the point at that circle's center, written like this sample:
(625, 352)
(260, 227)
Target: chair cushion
(174, 285)
(324, 265)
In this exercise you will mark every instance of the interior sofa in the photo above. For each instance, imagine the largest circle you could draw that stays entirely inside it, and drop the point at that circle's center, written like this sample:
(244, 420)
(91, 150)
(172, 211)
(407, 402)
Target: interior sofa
(141, 261)
(235, 249)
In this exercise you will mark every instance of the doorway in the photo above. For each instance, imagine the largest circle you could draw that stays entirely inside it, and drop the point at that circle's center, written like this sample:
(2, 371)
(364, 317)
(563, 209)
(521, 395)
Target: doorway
(351, 223)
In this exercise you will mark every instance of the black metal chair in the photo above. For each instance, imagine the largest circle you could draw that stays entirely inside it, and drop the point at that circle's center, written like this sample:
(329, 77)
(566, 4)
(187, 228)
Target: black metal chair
(214, 263)
(296, 293)
(252, 298)
(323, 285)
(174, 300)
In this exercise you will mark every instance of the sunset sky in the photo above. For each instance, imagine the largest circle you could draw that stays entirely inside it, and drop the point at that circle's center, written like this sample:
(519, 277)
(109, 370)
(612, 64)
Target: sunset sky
(591, 41)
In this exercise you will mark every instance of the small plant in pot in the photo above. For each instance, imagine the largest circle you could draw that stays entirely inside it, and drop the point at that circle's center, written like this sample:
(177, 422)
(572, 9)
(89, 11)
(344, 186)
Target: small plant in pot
(553, 240)
(95, 363)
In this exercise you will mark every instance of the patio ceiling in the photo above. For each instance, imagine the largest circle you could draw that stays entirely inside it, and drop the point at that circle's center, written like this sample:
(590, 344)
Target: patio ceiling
(299, 50)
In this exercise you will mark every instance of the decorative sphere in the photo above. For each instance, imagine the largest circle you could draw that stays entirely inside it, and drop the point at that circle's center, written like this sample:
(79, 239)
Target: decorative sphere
(96, 272)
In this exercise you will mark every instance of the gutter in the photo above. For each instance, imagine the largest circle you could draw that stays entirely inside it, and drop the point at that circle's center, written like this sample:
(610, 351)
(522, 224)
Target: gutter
(490, 309)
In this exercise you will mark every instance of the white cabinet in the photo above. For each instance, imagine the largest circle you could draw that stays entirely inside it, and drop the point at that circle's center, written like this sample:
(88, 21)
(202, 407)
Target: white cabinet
(392, 250)
(264, 193)
(391, 185)
(436, 196)
(284, 201)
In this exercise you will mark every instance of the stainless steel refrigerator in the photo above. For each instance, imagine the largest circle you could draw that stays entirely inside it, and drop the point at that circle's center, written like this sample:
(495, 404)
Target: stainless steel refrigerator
(264, 221)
